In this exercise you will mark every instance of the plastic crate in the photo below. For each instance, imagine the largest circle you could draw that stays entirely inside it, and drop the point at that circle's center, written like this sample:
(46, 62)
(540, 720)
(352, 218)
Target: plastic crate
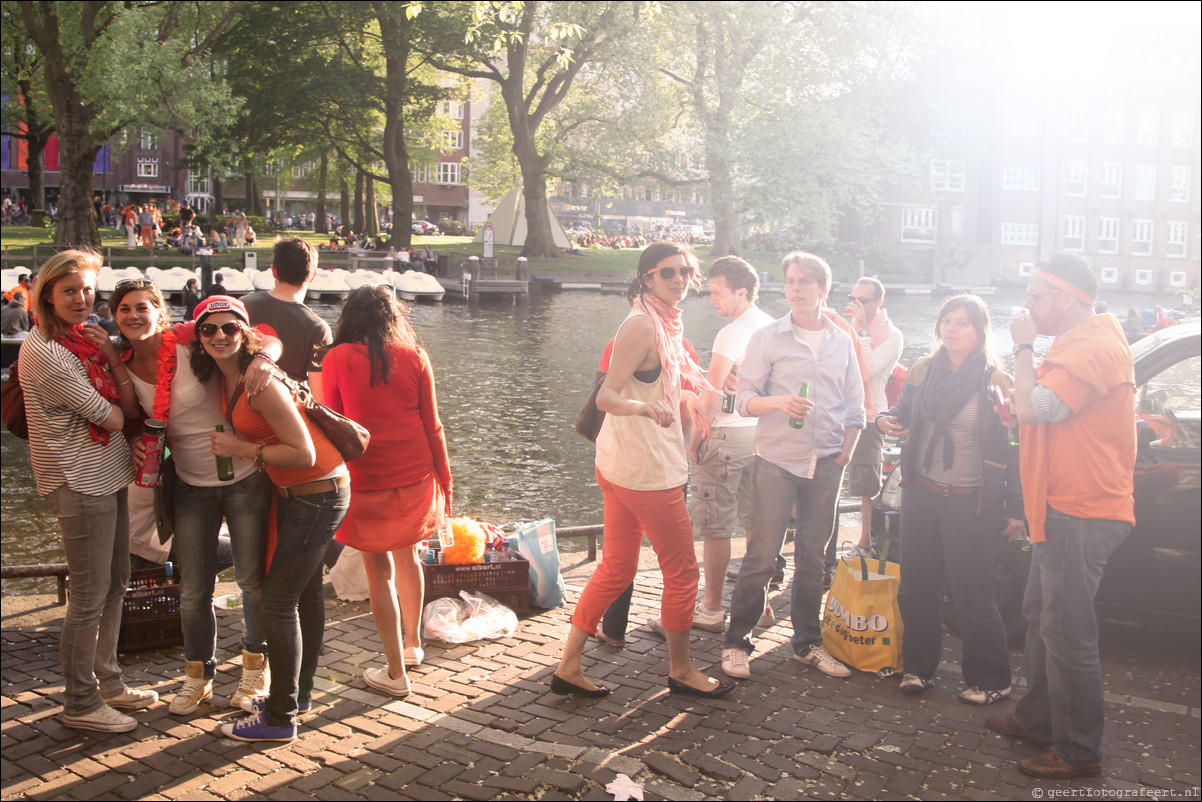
(507, 582)
(150, 614)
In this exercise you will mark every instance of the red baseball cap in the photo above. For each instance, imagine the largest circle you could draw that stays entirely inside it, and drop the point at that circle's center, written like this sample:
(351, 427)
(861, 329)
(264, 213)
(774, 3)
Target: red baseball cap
(221, 303)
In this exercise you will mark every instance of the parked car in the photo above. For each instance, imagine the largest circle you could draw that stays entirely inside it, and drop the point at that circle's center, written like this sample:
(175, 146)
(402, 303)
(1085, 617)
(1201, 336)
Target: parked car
(1153, 577)
(424, 227)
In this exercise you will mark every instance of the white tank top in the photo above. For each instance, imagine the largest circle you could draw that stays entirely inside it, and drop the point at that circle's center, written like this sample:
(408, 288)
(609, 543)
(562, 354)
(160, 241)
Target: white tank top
(637, 453)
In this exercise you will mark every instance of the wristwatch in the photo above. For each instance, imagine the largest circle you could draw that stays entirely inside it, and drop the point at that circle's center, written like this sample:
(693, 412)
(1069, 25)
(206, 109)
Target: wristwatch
(1020, 347)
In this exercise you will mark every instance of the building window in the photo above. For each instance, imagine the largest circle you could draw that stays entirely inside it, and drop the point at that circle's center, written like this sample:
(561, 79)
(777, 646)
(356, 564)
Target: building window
(1074, 232)
(1141, 238)
(453, 109)
(918, 225)
(304, 170)
(422, 173)
(148, 167)
(150, 139)
(1149, 127)
(1020, 234)
(452, 140)
(1108, 235)
(1177, 278)
(448, 173)
(1176, 244)
(1179, 184)
(1110, 275)
(1076, 123)
(1020, 178)
(1076, 179)
(1183, 128)
(198, 183)
(1022, 123)
(1112, 180)
(1026, 268)
(1143, 277)
(1145, 182)
(947, 176)
(1112, 125)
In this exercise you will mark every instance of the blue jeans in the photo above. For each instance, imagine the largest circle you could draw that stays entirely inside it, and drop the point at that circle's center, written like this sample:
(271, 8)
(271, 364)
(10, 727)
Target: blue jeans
(952, 537)
(1064, 704)
(245, 506)
(776, 491)
(95, 532)
(294, 610)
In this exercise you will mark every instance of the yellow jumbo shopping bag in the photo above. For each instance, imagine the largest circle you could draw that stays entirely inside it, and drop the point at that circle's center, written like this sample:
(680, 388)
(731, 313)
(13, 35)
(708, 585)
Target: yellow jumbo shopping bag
(861, 622)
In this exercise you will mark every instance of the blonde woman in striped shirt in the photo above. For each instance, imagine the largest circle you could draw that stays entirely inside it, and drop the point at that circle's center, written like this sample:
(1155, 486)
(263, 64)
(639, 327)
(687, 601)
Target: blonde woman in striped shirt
(77, 396)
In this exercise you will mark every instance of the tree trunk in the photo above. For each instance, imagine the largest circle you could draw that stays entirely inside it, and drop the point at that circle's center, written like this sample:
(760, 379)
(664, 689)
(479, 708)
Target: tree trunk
(360, 179)
(323, 174)
(372, 222)
(37, 134)
(77, 152)
(539, 241)
(218, 201)
(393, 31)
(344, 202)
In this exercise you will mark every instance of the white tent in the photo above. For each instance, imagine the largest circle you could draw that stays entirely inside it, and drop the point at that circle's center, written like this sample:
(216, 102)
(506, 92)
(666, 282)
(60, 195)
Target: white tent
(509, 222)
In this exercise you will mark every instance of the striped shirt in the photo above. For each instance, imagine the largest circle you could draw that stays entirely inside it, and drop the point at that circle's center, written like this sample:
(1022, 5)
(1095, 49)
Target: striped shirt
(59, 403)
(966, 469)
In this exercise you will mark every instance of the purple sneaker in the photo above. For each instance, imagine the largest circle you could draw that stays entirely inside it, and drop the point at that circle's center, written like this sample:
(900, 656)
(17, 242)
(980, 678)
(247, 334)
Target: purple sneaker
(256, 728)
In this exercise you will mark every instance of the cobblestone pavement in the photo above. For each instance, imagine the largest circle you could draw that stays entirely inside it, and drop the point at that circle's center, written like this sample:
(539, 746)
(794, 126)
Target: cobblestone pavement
(481, 724)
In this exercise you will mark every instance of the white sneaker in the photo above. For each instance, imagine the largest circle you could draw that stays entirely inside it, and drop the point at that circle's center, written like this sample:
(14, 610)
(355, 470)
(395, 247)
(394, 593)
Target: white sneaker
(767, 618)
(255, 679)
(102, 719)
(132, 699)
(413, 657)
(381, 680)
(912, 684)
(735, 663)
(195, 690)
(821, 660)
(976, 696)
(707, 620)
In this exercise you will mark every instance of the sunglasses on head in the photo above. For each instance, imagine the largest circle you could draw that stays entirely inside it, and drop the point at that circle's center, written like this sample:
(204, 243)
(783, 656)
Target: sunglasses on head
(669, 273)
(211, 329)
(137, 283)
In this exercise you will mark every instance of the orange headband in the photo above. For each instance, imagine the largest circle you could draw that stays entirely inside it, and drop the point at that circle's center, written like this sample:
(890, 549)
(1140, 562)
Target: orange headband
(1061, 284)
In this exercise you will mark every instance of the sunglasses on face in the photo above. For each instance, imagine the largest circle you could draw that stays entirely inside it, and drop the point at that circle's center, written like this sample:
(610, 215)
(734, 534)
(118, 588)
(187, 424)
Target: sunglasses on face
(864, 301)
(669, 273)
(208, 330)
(1032, 295)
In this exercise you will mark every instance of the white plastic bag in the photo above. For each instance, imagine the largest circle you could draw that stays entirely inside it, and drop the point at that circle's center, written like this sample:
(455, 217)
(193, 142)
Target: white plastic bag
(473, 616)
(349, 576)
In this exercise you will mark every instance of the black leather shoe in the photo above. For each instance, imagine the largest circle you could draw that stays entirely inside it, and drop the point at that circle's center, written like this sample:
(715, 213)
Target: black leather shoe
(562, 687)
(681, 689)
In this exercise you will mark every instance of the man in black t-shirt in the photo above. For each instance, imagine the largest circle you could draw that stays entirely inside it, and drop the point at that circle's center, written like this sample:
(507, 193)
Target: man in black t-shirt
(281, 312)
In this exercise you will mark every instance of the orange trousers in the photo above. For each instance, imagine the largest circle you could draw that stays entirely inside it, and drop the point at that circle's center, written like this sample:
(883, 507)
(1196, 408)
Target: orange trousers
(664, 517)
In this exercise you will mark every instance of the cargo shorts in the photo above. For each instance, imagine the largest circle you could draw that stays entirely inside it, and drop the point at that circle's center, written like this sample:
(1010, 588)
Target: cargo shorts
(721, 480)
(864, 470)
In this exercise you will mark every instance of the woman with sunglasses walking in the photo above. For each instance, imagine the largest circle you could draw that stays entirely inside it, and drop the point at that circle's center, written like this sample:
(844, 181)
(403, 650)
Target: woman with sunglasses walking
(641, 468)
(273, 434)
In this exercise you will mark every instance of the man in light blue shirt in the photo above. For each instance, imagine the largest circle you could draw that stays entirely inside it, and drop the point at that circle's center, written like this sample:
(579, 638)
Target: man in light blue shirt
(801, 446)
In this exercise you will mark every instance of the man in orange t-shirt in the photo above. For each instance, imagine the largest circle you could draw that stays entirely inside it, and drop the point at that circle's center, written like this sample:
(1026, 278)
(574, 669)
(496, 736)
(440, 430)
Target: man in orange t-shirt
(1077, 458)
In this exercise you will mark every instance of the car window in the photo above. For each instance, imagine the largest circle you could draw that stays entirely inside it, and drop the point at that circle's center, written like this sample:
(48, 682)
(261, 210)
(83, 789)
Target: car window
(1168, 408)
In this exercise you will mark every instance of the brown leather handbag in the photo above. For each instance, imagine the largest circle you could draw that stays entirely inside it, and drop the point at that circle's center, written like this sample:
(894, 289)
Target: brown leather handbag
(12, 405)
(588, 422)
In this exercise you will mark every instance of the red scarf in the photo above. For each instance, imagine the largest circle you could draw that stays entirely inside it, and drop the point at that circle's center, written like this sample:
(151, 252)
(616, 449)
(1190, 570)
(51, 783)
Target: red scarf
(95, 363)
(669, 342)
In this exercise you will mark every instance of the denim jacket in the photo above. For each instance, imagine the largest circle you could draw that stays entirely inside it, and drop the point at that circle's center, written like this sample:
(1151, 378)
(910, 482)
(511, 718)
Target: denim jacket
(999, 460)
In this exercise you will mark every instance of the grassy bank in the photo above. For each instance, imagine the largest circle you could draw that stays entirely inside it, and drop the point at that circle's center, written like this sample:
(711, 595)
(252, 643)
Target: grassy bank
(21, 241)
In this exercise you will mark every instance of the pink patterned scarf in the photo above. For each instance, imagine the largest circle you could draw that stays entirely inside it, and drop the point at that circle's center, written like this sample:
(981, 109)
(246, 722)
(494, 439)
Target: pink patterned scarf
(669, 342)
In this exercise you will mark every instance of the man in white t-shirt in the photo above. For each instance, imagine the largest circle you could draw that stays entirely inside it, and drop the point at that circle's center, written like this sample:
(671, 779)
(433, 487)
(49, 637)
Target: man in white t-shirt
(721, 475)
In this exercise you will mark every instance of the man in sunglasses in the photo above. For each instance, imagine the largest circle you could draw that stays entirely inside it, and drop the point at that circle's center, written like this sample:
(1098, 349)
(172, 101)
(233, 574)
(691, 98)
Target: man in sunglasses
(1077, 459)
(881, 347)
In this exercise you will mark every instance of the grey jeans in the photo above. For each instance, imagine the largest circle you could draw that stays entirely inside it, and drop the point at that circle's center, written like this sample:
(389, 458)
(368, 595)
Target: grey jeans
(95, 533)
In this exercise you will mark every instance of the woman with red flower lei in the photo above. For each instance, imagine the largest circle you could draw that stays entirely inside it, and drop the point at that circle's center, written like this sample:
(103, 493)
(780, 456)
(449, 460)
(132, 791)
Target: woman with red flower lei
(168, 390)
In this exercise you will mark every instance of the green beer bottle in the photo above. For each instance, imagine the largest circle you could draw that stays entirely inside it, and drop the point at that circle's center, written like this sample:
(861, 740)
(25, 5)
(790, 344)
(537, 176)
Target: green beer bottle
(225, 465)
(804, 392)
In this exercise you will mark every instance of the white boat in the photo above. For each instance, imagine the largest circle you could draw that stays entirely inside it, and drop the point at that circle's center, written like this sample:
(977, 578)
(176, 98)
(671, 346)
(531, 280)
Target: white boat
(414, 285)
(236, 282)
(329, 283)
(110, 277)
(171, 280)
(262, 279)
(362, 277)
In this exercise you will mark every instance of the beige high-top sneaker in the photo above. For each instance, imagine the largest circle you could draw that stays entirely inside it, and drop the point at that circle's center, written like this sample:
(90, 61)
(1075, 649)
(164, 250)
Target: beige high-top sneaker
(196, 689)
(256, 678)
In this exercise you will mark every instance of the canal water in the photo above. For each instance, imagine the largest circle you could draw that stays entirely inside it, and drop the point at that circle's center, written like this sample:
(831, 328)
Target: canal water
(510, 380)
